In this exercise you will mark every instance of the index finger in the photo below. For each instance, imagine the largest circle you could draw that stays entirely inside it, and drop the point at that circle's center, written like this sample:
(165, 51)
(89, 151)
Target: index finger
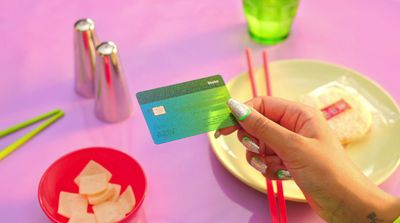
(228, 130)
(275, 112)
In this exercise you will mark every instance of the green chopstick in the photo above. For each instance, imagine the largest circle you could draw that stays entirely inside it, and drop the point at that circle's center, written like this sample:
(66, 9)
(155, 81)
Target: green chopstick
(19, 142)
(29, 122)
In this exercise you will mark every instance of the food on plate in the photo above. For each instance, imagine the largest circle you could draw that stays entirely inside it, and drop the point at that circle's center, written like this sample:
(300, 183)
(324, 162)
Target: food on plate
(127, 200)
(108, 212)
(91, 168)
(346, 112)
(82, 218)
(117, 191)
(103, 196)
(71, 203)
(93, 184)
(95, 189)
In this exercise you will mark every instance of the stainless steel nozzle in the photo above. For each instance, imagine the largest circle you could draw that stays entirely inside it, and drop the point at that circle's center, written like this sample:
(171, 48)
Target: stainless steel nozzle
(85, 41)
(112, 100)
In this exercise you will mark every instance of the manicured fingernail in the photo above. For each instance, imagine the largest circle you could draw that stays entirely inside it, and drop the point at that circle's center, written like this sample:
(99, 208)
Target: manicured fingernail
(239, 110)
(258, 164)
(250, 145)
(217, 134)
(284, 175)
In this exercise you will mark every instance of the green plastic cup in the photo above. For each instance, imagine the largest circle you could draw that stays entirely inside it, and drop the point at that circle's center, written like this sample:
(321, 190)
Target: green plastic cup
(269, 21)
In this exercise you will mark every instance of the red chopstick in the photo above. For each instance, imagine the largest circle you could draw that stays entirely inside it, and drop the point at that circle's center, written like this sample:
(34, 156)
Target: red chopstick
(273, 210)
(249, 58)
(281, 197)
(281, 202)
(266, 73)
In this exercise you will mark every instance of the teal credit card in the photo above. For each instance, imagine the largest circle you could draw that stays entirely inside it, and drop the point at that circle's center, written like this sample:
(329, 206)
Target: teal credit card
(186, 109)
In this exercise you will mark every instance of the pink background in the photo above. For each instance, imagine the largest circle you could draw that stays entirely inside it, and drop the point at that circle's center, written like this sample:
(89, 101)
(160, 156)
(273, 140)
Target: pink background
(165, 42)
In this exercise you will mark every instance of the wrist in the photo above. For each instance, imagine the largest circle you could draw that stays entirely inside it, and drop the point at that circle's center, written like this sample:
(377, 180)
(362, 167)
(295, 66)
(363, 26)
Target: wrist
(360, 200)
(371, 206)
(392, 212)
(386, 210)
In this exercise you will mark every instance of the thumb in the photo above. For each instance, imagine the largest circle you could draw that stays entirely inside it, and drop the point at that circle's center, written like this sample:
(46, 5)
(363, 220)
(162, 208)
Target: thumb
(283, 141)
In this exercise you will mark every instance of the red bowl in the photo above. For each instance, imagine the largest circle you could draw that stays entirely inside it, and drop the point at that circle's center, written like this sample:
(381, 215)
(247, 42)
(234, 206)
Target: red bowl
(60, 177)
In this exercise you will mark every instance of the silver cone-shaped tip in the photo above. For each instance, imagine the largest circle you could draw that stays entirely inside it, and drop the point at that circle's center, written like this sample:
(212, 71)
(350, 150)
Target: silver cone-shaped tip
(112, 100)
(85, 40)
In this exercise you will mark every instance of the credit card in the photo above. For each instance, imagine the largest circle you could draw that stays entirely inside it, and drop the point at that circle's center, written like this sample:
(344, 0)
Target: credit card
(186, 109)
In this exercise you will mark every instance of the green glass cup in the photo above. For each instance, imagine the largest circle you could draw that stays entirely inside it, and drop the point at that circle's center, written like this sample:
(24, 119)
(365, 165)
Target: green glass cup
(269, 21)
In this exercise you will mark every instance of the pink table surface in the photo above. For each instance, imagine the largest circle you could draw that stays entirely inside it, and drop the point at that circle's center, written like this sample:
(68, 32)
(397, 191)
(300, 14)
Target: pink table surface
(165, 42)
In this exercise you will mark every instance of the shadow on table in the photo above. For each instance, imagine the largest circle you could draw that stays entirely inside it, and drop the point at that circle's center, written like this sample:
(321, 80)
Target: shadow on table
(253, 200)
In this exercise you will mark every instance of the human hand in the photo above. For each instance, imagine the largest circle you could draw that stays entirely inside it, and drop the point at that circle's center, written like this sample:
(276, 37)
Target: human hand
(290, 140)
